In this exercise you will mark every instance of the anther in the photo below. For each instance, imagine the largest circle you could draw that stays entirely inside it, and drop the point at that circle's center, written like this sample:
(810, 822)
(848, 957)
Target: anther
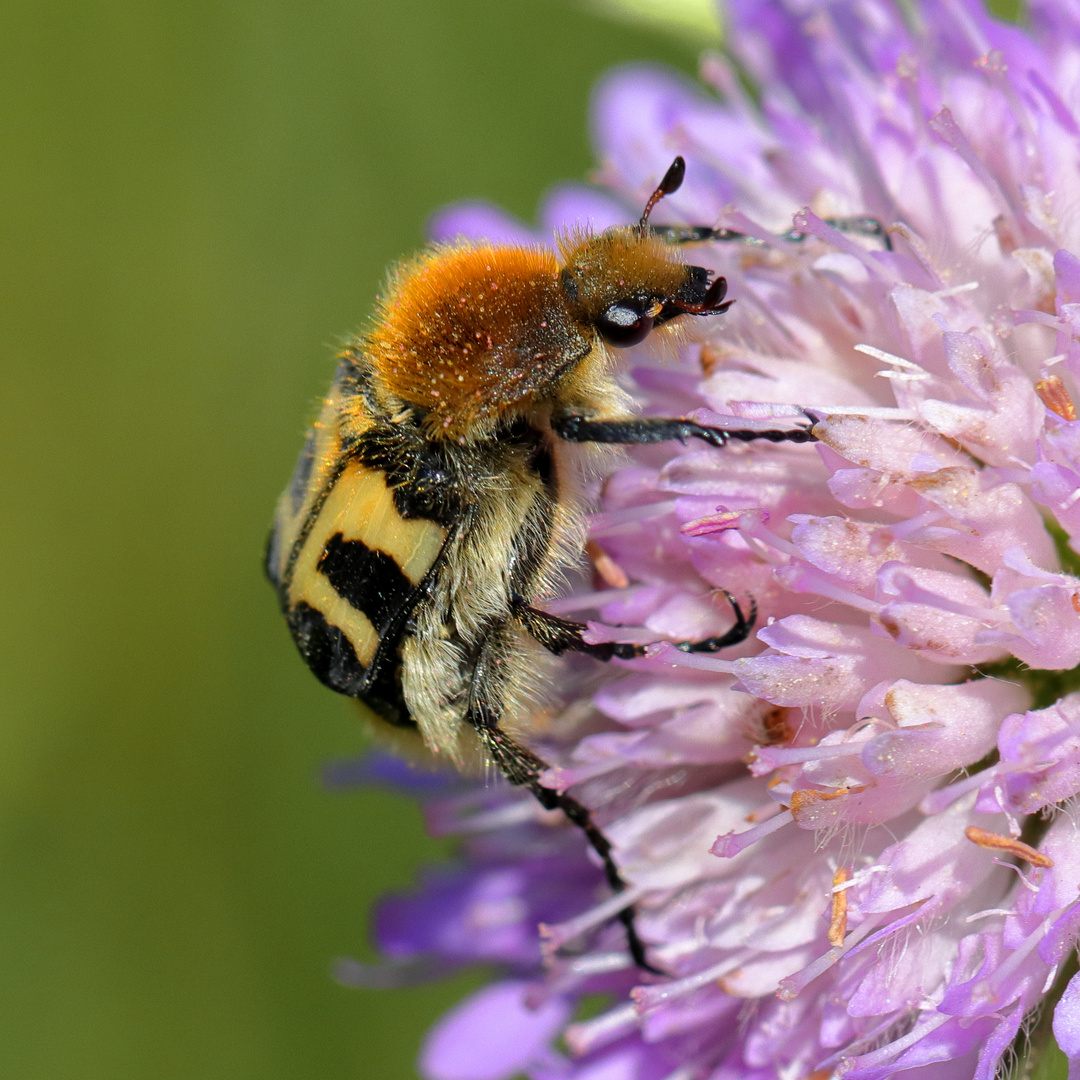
(997, 842)
(1054, 395)
(838, 914)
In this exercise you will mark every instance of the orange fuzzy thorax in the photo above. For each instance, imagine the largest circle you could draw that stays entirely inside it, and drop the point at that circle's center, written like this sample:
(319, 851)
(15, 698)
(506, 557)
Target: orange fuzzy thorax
(467, 333)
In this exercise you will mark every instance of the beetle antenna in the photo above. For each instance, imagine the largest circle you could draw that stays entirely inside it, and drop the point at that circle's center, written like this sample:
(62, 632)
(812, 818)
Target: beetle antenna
(671, 183)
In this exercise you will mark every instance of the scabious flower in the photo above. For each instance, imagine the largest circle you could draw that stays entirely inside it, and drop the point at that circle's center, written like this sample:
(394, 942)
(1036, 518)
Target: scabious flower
(851, 841)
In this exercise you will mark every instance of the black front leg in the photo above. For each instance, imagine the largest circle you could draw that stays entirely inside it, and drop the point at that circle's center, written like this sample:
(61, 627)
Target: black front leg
(635, 431)
(695, 234)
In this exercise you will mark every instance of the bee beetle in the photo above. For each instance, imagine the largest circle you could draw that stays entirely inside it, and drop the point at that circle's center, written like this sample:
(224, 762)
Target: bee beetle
(437, 495)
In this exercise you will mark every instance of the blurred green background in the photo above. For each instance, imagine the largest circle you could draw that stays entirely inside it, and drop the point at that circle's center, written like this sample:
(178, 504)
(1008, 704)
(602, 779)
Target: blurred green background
(198, 200)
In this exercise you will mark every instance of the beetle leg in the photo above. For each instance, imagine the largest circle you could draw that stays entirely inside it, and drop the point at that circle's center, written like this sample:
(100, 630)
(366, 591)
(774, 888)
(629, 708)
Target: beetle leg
(561, 635)
(640, 430)
(523, 768)
(859, 225)
(744, 624)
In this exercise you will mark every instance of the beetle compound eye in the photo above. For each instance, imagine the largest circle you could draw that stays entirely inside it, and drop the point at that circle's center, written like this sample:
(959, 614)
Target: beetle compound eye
(622, 326)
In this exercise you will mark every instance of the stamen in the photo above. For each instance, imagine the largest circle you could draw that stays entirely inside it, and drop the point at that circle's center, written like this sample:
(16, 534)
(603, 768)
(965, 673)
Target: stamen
(763, 813)
(997, 842)
(860, 877)
(555, 936)
(1029, 885)
(875, 412)
(730, 844)
(741, 226)
(801, 579)
(902, 376)
(989, 913)
(1054, 395)
(890, 1051)
(721, 521)
(1061, 112)
(649, 997)
(867, 1038)
(888, 358)
(610, 520)
(603, 1029)
(793, 985)
(806, 221)
(764, 759)
(750, 525)
(597, 964)
(1000, 978)
(944, 124)
(943, 798)
(860, 943)
(564, 605)
(968, 286)
(666, 653)
(611, 573)
(902, 530)
(838, 914)
(1029, 315)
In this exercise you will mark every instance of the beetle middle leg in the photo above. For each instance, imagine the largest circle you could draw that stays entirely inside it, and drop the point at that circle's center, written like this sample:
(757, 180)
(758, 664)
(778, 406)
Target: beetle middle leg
(559, 635)
(523, 768)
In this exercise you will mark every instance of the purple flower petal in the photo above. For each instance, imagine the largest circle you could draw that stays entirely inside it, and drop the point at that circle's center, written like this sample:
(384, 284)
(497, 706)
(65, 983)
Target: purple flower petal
(1067, 1020)
(575, 207)
(492, 1035)
(479, 221)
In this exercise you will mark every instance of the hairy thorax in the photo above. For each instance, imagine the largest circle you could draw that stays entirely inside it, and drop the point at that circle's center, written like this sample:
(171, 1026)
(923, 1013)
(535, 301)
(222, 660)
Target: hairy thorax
(472, 334)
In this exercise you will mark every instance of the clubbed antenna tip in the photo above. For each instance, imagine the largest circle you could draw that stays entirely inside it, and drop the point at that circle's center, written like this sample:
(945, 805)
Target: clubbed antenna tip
(671, 183)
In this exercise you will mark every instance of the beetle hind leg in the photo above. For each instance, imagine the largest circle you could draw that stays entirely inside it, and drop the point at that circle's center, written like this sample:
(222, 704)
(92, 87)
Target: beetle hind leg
(523, 768)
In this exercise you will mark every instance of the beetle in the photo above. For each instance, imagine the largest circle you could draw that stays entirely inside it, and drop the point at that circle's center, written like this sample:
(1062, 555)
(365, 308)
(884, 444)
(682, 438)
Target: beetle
(437, 495)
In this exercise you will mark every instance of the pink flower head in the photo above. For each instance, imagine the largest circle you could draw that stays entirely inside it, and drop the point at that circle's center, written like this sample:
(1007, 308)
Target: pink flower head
(850, 841)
